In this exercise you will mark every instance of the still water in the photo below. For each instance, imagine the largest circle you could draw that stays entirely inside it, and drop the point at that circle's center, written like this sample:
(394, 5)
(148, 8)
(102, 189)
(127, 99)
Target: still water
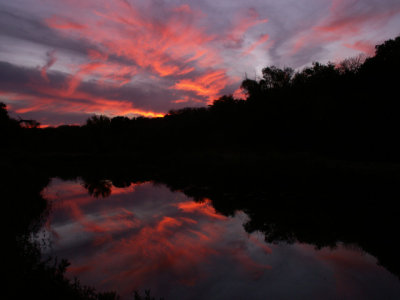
(146, 236)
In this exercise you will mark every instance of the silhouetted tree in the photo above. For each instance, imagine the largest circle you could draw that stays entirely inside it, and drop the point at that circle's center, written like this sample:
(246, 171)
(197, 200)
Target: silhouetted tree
(3, 113)
(275, 78)
(29, 123)
(351, 65)
(251, 88)
(98, 122)
(6, 123)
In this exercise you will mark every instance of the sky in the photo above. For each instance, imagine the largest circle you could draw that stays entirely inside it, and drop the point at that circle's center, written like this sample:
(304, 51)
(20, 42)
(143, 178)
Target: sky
(62, 61)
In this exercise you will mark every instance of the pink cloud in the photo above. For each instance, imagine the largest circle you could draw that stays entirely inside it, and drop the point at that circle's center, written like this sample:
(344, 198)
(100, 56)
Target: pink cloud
(174, 45)
(363, 46)
(263, 39)
(340, 25)
(243, 22)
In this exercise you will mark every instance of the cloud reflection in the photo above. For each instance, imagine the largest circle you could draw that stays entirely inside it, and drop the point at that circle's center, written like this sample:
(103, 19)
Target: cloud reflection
(146, 236)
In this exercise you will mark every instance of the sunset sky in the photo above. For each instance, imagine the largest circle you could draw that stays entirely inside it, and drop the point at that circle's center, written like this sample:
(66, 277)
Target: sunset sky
(62, 61)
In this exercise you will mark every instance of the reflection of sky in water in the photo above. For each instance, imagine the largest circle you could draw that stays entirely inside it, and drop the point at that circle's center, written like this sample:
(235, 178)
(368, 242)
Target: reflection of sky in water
(148, 237)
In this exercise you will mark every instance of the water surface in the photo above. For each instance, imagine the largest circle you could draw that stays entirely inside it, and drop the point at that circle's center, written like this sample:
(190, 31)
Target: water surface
(145, 236)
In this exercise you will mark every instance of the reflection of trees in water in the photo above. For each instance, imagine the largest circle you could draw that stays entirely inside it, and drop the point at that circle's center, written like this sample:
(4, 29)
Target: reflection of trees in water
(317, 210)
(98, 187)
(33, 277)
(288, 201)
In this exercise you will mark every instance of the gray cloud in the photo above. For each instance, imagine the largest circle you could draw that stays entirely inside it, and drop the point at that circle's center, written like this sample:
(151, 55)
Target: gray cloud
(22, 26)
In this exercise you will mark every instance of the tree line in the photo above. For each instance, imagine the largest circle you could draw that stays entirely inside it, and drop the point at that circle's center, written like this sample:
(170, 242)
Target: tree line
(349, 109)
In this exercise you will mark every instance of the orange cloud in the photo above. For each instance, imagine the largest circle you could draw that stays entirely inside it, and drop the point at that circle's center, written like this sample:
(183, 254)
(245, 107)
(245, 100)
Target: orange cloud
(68, 99)
(183, 100)
(95, 105)
(208, 85)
